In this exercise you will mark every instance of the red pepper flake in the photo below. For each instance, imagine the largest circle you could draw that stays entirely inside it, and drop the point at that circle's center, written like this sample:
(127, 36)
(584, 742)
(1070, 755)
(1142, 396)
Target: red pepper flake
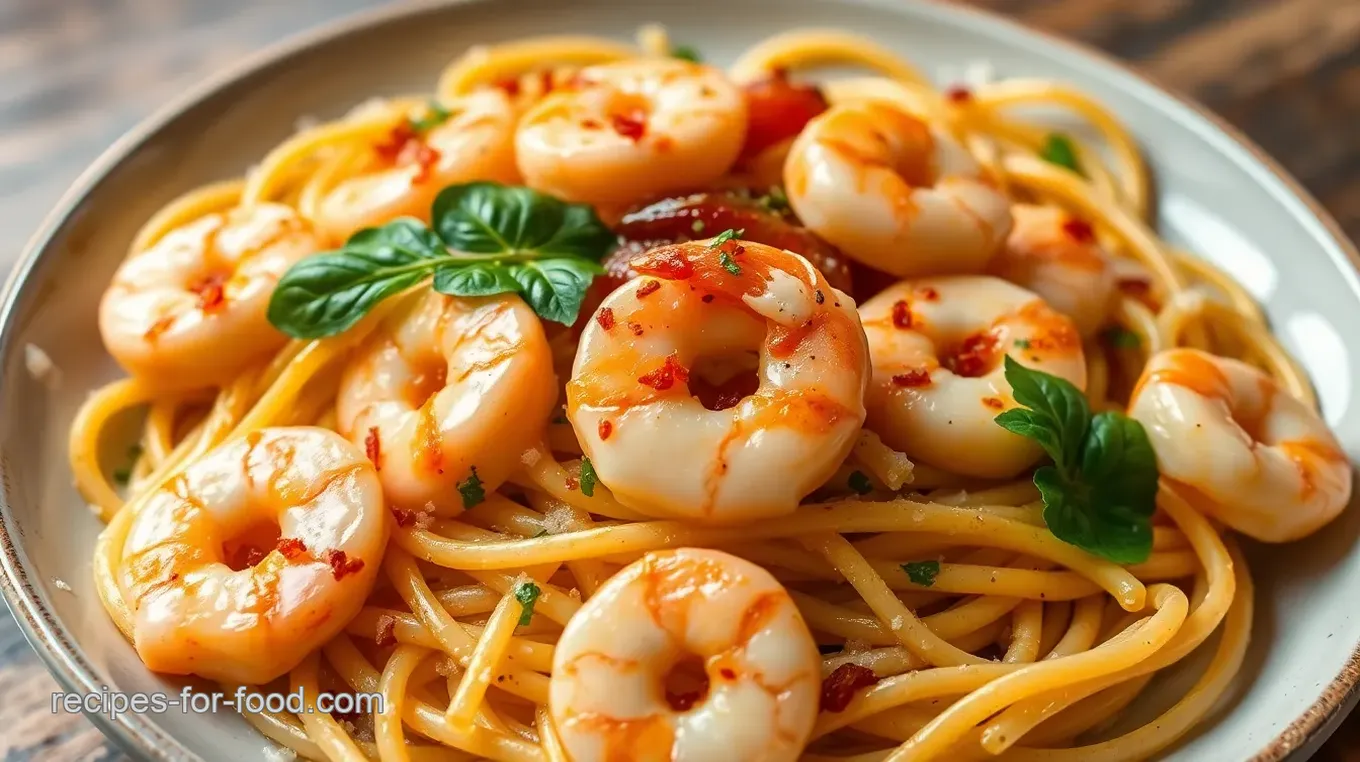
(157, 328)
(706, 298)
(342, 565)
(636, 328)
(1079, 230)
(573, 483)
(665, 262)
(211, 294)
(387, 625)
(632, 125)
(510, 85)
(914, 377)
(958, 94)
(901, 314)
(973, 356)
(839, 687)
(928, 293)
(373, 447)
(995, 403)
(424, 158)
(392, 148)
(605, 317)
(404, 518)
(728, 673)
(648, 287)
(665, 377)
(291, 547)
(592, 124)
(605, 428)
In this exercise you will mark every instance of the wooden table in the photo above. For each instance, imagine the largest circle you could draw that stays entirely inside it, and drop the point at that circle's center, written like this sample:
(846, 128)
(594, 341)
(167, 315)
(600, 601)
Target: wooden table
(75, 74)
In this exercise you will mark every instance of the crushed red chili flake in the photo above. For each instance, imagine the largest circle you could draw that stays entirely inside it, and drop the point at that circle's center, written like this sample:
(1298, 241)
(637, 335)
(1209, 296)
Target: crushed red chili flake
(728, 673)
(665, 377)
(648, 287)
(901, 314)
(1079, 230)
(211, 292)
(958, 94)
(373, 447)
(994, 403)
(404, 518)
(391, 148)
(707, 298)
(666, 262)
(424, 158)
(592, 124)
(914, 377)
(157, 328)
(821, 298)
(632, 125)
(510, 85)
(973, 356)
(839, 687)
(928, 293)
(291, 547)
(636, 328)
(386, 635)
(573, 483)
(342, 565)
(605, 317)
(605, 428)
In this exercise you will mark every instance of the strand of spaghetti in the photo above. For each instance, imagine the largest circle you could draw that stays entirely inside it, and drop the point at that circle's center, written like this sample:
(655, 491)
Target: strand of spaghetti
(894, 660)
(1019, 719)
(913, 686)
(1237, 296)
(277, 165)
(847, 516)
(896, 724)
(547, 732)
(334, 742)
(999, 499)
(454, 639)
(552, 602)
(1082, 632)
(425, 719)
(1126, 650)
(489, 652)
(917, 99)
(283, 729)
(968, 579)
(82, 446)
(564, 517)
(487, 64)
(1087, 714)
(900, 546)
(1026, 631)
(803, 48)
(1057, 620)
(955, 622)
(346, 160)
(185, 208)
(899, 620)
(388, 730)
(1135, 316)
(542, 471)
(1032, 139)
(499, 513)
(407, 628)
(1132, 172)
(1166, 729)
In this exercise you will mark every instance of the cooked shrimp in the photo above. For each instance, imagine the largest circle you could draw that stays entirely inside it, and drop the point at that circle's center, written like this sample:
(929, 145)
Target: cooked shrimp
(476, 142)
(686, 656)
(1056, 255)
(255, 556)
(760, 446)
(190, 310)
(448, 395)
(632, 130)
(894, 193)
(937, 346)
(1239, 447)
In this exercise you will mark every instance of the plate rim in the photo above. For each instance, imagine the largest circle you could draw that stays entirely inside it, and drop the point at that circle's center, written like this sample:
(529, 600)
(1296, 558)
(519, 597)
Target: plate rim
(48, 637)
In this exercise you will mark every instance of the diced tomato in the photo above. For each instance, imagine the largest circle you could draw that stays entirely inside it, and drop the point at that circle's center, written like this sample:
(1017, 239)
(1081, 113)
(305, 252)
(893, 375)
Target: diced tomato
(777, 110)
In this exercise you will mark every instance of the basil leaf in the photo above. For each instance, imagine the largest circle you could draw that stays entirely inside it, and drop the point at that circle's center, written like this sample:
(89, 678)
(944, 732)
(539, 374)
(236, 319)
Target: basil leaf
(474, 279)
(1055, 405)
(489, 218)
(922, 573)
(325, 294)
(527, 594)
(471, 490)
(1095, 519)
(1058, 149)
(1119, 463)
(555, 288)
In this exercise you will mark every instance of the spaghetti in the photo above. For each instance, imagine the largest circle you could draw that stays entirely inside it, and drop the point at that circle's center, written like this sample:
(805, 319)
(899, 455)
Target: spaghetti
(952, 622)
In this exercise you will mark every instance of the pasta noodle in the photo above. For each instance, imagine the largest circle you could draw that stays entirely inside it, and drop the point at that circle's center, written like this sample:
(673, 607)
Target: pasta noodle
(983, 633)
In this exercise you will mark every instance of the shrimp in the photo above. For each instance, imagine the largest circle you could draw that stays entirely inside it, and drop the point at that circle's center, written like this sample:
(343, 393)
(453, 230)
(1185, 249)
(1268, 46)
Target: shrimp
(1239, 447)
(696, 318)
(893, 193)
(629, 131)
(475, 142)
(446, 397)
(256, 555)
(190, 310)
(683, 656)
(1056, 255)
(937, 346)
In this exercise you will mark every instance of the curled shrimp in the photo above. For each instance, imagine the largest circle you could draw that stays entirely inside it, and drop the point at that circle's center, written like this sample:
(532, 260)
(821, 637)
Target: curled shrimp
(1056, 255)
(893, 193)
(1240, 448)
(938, 346)
(409, 167)
(628, 131)
(191, 309)
(702, 314)
(256, 555)
(686, 656)
(450, 392)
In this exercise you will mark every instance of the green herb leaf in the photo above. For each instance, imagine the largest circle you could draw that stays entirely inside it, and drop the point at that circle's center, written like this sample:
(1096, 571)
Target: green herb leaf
(588, 478)
(728, 263)
(922, 573)
(122, 475)
(776, 200)
(325, 294)
(1058, 149)
(1121, 338)
(527, 594)
(1100, 493)
(475, 279)
(435, 115)
(1022, 343)
(725, 236)
(517, 223)
(859, 483)
(471, 490)
(686, 53)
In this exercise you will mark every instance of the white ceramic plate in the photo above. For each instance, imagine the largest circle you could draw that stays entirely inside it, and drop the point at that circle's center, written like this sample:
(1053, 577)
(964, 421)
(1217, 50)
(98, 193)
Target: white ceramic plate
(1218, 197)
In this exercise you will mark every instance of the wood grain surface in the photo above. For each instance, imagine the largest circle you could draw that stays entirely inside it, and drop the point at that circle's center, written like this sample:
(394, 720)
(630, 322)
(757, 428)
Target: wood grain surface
(75, 74)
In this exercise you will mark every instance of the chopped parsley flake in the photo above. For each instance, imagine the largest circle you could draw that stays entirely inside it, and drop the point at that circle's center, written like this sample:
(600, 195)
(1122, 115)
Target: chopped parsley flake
(588, 478)
(122, 475)
(725, 236)
(729, 264)
(471, 490)
(435, 115)
(775, 200)
(1058, 149)
(860, 483)
(1022, 343)
(922, 573)
(686, 53)
(527, 594)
